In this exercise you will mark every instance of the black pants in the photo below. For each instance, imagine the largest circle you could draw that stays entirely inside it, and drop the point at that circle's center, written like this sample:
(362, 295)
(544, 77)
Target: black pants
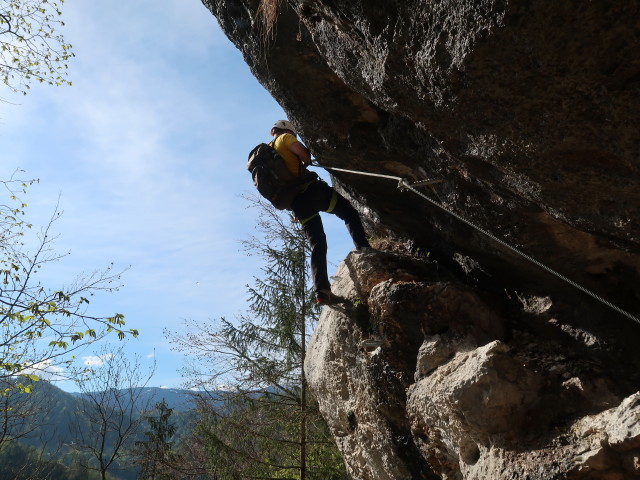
(320, 197)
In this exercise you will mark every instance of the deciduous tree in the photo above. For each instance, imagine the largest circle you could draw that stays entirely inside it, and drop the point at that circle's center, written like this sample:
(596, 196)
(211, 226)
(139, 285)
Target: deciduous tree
(40, 325)
(31, 45)
(110, 410)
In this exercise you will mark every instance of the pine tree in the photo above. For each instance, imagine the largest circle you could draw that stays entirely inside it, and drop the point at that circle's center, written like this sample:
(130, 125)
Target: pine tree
(155, 450)
(259, 419)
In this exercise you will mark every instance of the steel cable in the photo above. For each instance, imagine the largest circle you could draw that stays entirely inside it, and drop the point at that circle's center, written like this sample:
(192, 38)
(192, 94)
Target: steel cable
(403, 184)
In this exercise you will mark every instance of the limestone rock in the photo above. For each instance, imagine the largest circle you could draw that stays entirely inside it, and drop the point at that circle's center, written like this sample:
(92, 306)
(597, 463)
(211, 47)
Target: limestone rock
(456, 390)
(490, 366)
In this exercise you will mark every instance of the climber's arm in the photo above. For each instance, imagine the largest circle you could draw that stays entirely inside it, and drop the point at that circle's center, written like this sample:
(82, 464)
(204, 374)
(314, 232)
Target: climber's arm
(302, 152)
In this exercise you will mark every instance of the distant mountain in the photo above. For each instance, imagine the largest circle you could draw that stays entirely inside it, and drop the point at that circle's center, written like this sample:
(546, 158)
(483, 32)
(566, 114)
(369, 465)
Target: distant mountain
(177, 399)
(50, 413)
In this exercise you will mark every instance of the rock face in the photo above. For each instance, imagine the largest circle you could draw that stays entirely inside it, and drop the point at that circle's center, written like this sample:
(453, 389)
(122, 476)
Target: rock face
(456, 389)
(528, 112)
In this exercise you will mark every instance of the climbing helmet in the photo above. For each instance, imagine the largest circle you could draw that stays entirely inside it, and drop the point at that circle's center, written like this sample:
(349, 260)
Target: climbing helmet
(285, 125)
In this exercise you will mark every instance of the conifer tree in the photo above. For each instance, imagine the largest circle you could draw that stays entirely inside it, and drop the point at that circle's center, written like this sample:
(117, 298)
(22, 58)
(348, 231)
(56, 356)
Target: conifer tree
(155, 451)
(259, 420)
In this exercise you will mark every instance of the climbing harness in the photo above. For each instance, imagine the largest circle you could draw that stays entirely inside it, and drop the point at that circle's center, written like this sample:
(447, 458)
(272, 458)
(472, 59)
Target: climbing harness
(404, 185)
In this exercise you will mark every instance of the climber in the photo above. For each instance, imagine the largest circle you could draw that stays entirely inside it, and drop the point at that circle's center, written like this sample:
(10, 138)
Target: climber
(315, 197)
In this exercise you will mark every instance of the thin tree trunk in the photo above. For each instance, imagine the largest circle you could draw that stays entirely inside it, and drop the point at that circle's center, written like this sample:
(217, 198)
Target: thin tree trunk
(303, 394)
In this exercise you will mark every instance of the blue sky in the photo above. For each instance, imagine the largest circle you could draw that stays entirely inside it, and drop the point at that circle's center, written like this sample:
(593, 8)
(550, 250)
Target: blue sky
(146, 152)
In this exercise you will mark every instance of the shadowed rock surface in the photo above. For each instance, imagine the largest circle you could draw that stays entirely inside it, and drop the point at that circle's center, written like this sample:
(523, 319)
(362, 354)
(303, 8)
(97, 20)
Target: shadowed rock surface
(528, 112)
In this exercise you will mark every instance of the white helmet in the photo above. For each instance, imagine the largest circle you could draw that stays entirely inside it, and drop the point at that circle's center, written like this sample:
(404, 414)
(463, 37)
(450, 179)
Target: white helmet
(285, 125)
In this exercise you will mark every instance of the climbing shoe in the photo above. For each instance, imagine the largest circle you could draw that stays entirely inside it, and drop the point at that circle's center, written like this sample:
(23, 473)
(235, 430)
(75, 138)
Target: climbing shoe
(326, 297)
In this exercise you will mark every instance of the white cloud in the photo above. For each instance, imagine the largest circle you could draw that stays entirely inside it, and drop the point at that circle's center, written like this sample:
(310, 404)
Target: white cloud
(95, 360)
(47, 370)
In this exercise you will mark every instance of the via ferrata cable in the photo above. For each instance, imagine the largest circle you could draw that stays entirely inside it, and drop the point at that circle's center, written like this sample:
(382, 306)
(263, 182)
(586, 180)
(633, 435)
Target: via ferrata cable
(403, 184)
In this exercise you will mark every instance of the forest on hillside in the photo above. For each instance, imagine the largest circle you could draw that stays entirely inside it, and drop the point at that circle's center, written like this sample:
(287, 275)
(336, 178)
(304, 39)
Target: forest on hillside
(41, 432)
(252, 415)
